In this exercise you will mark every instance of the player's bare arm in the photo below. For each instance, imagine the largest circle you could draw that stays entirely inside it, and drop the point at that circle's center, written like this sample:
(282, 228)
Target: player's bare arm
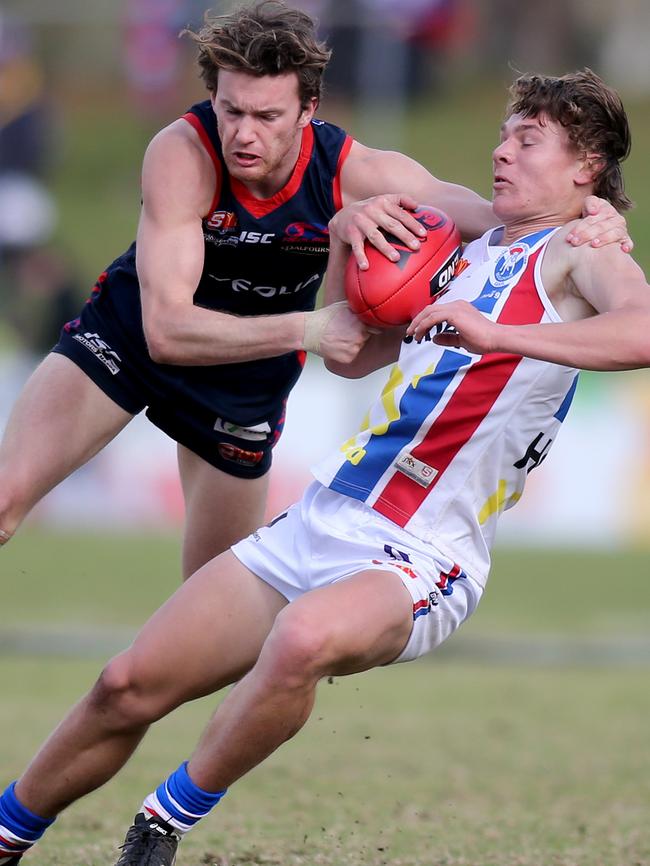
(370, 172)
(381, 187)
(170, 259)
(382, 347)
(602, 290)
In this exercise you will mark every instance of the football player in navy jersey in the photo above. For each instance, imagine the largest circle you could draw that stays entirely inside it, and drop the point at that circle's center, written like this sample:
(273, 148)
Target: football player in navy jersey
(204, 322)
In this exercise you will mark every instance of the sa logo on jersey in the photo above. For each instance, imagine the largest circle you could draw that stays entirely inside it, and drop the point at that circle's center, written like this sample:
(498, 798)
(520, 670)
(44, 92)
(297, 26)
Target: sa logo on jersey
(222, 219)
(510, 264)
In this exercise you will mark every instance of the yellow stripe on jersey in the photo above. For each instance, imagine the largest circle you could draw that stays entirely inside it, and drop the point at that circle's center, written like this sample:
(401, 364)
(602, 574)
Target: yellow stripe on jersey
(355, 453)
(497, 503)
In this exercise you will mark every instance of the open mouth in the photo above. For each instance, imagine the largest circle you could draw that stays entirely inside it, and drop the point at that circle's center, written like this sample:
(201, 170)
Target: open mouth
(246, 159)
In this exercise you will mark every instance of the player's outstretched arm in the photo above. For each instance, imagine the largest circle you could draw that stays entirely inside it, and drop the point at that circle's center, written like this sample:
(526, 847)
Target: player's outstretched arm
(613, 337)
(369, 172)
(178, 183)
(383, 186)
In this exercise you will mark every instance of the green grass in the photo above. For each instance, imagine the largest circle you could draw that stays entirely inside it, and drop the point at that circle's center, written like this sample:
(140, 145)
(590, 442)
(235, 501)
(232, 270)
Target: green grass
(439, 763)
(67, 578)
(87, 579)
(425, 765)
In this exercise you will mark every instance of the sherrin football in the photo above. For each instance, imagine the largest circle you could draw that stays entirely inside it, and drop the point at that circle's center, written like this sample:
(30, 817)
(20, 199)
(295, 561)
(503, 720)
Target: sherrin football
(391, 293)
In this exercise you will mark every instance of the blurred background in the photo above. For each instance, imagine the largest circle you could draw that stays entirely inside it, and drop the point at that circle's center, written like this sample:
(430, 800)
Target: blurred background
(83, 87)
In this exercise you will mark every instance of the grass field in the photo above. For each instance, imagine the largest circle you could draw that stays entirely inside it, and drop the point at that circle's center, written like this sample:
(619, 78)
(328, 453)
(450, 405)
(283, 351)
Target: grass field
(446, 762)
(87, 581)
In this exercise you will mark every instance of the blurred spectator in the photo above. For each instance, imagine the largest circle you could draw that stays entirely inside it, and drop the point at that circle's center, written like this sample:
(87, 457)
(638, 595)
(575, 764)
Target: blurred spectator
(48, 296)
(440, 31)
(544, 36)
(153, 52)
(24, 115)
(27, 212)
(386, 51)
(37, 289)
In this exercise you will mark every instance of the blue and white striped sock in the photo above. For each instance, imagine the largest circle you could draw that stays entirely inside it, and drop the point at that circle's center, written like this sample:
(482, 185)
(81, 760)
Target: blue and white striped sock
(19, 828)
(180, 802)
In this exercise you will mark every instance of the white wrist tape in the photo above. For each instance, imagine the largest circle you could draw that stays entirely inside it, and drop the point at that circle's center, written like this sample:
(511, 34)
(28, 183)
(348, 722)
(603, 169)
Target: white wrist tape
(316, 324)
(4, 536)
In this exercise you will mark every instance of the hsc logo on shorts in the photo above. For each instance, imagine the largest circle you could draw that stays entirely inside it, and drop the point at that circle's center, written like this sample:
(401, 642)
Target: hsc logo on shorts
(443, 586)
(398, 559)
(101, 350)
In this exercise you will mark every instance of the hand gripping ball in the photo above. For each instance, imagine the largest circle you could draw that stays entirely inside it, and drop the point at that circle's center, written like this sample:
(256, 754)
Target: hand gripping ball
(391, 293)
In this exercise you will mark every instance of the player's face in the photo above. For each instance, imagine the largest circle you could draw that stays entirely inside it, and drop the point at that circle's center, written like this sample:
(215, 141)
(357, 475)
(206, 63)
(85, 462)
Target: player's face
(538, 174)
(260, 123)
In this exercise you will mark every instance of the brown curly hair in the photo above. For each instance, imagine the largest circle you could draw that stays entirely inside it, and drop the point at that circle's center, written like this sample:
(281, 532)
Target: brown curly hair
(593, 115)
(267, 38)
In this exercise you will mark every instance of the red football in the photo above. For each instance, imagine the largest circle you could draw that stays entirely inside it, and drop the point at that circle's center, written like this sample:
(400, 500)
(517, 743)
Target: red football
(391, 293)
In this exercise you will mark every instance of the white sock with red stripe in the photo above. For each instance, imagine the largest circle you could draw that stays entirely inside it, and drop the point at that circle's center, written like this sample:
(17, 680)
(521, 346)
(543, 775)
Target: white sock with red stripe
(180, 802)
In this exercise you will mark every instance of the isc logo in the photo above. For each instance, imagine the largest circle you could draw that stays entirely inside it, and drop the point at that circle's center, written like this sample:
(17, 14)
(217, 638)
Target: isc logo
(255, 238)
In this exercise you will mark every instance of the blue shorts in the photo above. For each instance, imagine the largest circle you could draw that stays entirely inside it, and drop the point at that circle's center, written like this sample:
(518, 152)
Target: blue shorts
(230, 415)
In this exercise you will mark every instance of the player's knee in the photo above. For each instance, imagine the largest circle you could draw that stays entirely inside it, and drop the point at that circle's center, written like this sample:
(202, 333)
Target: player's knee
(19, 492)
(122, 698)
(299, 649)
(14, 503)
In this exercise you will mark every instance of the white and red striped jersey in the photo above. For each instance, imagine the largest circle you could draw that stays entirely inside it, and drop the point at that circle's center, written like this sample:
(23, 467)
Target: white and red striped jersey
(447, 446)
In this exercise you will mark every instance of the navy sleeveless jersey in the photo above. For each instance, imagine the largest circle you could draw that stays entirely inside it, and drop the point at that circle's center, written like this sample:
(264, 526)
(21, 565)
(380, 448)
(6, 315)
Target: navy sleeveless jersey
(262, 256)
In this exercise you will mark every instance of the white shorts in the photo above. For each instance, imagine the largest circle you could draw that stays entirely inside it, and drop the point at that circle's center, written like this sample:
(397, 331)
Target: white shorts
(328, 537)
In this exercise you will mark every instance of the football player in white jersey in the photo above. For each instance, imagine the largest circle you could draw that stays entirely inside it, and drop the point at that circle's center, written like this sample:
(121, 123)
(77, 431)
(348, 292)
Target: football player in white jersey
(363, 572)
